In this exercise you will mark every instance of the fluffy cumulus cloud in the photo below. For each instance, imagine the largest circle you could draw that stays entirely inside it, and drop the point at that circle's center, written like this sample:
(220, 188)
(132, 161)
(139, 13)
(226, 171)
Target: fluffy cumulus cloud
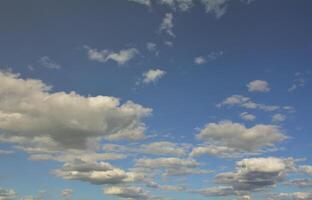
(258, 86)
(252, 174)
(167, 25)
(153, 75)
(102, 56)
(28, 109)
(7, 194)
(231, 137)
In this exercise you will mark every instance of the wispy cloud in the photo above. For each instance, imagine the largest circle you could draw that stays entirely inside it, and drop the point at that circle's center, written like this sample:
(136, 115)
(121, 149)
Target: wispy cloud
(121, 57)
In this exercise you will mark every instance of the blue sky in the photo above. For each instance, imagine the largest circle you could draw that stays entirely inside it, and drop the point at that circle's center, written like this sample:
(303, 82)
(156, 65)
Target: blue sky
(155, 99)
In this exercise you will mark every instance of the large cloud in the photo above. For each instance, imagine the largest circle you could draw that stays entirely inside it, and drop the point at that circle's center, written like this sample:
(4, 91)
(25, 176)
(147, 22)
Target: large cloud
(227, 137)
(29, 109)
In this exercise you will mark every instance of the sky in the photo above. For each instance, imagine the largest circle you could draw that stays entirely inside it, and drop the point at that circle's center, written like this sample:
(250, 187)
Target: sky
(155, 100)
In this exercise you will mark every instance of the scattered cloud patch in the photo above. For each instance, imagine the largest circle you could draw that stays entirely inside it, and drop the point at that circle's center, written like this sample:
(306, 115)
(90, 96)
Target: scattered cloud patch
(48, 63)
(143, 2)
(298, 82)
(67, 194)
(247, 116)
(258, 86)
(278, 118)
(200, 60)
(153, 75)
(102, 56)
(167, 25)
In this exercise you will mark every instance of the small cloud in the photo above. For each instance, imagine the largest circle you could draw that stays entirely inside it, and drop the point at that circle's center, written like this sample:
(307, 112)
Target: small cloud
(210, 57)
(121, 57)
(143, 2)
(167, 25)
(298, 82)
(247, 116)
(278, 118)
(169, 43)
(67, 194)
(152, 47)
(153, 75)
(46, 62)
(200, 60)
(258, 86)
(215, 7)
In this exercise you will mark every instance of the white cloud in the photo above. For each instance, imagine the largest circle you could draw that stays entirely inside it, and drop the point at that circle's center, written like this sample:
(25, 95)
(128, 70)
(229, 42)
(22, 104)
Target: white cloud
(153, 75)
(307, 169)
(121, 57)
(200, 60)
(215, 7)
(172, 166)
(300, 182)
(252, 174)
(246, 102)
(247, 116)
(258, 86)
(291, 196)
(278, 118)
(183, 5)
(167, 24)
(46, 62)
(129, 193)
(143, 2)
(239, 137)
(29, 109)
(99, 173)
